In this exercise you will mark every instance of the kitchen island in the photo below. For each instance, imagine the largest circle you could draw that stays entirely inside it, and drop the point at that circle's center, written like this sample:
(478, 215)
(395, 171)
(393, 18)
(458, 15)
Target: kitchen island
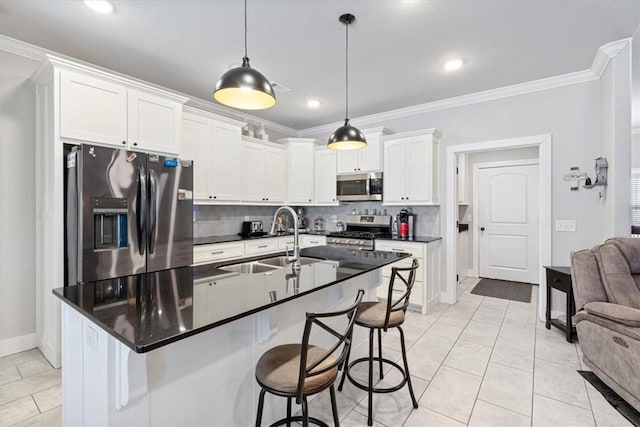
(179, 347)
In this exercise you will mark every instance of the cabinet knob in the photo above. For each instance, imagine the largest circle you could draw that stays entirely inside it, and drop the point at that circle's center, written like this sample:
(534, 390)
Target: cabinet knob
(309, 199)
(481, 228)
(124, 142)
(406, 198)
(135, 144)
(215, 197)
(210, 197)
(401, 198)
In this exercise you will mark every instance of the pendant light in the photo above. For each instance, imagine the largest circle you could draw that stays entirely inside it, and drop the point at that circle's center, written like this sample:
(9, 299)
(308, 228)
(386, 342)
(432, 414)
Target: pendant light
(244, 87)
(347, 137)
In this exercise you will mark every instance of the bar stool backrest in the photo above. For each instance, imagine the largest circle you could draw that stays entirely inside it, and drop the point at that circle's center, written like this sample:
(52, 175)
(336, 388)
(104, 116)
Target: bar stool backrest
(406, 275)
(341, 347)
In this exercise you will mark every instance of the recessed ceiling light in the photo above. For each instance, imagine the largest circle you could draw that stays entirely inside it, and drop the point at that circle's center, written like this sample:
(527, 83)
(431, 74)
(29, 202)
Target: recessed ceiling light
(313, 103)
(453, 65)
(100, 6)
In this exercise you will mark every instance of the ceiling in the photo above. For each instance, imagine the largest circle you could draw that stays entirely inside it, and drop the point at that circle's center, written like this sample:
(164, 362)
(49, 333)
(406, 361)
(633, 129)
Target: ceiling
(397, 48)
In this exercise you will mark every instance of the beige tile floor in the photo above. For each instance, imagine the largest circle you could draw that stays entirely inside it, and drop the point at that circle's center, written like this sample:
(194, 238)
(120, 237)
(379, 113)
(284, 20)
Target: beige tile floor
(480, 362)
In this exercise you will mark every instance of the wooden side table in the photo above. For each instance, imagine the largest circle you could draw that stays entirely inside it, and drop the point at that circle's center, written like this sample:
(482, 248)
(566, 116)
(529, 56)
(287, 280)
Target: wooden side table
(560, 278)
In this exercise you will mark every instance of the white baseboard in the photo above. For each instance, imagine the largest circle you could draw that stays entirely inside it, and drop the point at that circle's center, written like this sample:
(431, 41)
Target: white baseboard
(18, 344)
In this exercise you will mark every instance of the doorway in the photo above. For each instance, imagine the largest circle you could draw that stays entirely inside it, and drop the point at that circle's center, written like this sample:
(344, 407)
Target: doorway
(506, 208)
(449, 229)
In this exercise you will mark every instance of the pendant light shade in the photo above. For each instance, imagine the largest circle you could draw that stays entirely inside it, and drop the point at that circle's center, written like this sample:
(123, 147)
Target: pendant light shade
(347, 137)
(244, 87)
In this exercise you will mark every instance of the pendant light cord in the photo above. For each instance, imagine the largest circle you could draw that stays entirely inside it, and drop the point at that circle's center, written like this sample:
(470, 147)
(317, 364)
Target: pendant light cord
(346, 113)
(245, 28)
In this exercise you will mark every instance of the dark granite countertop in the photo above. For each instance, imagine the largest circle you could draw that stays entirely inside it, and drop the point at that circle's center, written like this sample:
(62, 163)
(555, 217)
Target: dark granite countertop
(148, 311)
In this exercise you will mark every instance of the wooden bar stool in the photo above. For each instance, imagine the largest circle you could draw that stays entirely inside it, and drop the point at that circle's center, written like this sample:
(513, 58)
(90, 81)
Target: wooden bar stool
(381, 316)
(301, 370)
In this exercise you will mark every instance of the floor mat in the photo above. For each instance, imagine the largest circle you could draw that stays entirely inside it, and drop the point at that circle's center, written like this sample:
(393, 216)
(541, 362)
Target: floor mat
(515, 291)
(620, 405)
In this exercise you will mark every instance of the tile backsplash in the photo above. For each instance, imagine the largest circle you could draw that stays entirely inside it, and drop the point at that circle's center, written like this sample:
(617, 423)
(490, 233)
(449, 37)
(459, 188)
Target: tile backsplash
(222, 220)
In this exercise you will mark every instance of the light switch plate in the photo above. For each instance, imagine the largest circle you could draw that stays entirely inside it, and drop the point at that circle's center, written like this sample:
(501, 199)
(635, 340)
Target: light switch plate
(566, 225)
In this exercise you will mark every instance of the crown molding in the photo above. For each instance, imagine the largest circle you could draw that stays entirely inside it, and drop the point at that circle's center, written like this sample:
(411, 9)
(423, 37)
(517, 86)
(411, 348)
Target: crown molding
(600, 62)
(7, 44)
(212, 107)
(604, 55)
(460, 101)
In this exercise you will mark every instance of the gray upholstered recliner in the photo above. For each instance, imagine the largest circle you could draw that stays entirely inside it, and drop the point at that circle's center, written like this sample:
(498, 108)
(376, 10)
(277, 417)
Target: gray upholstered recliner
(606, 288)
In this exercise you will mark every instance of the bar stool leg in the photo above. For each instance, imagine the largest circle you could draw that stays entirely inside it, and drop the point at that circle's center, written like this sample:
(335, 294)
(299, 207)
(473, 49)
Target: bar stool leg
(345, 367)
(370, 400)
(305, 412)
(260, 405)
(289, 411)
(406, 368)
(334, 407)
(380, 352)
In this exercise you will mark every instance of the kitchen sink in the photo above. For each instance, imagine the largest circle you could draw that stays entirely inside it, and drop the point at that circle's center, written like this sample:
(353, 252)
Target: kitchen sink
(266, 264)
(253, 267)
(281, 261)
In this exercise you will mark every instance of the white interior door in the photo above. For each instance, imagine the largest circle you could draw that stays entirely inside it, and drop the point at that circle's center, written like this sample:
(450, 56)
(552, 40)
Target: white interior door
(508, 223)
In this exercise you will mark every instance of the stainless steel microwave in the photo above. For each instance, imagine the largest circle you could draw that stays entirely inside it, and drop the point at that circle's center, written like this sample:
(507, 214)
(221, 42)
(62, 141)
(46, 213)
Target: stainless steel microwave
(359, 186)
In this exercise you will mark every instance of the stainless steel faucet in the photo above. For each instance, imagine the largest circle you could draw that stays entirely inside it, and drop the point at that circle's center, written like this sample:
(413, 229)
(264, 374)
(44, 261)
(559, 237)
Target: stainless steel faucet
(295, 259)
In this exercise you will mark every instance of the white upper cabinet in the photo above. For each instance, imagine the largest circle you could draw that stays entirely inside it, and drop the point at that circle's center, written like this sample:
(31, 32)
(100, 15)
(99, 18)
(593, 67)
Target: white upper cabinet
(92, 109)
(264, 172)
(301, 172)
(325, 177)
(214, 146)
(154, 123)
(196, 144)
(411, 168)
(101, 108)
(367, 159)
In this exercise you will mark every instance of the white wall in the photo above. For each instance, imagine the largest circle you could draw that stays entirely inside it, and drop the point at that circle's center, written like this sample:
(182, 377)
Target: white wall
(17, 203)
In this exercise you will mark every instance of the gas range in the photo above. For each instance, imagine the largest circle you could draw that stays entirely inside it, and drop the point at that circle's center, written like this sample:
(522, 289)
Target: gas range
(361, 232)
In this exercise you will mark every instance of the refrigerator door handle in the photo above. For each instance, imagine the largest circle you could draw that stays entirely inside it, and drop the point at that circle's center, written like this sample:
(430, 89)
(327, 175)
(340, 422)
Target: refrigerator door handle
(153, 211)
(141, 217)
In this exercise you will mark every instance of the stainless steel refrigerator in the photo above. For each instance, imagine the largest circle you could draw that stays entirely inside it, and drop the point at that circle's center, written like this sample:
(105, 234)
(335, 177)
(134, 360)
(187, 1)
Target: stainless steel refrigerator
(127, 213)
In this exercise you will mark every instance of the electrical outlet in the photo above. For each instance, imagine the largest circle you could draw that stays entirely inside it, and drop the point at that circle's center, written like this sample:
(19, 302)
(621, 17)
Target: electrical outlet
(566, 225)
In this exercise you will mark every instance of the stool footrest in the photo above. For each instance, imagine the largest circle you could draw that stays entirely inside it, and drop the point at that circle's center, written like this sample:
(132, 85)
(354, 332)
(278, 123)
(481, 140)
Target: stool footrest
(376, 359)
(312, 420)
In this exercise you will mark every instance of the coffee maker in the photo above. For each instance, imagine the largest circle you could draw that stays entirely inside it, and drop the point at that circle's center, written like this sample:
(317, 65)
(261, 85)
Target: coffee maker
(406, 224)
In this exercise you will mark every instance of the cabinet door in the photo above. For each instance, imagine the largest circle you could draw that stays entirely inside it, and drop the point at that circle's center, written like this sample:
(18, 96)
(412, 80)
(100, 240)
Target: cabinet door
(348, 161)
(154, 123)
(225, 176)
(301, 173)
(418, 172)
(196, 144)
(394, 171)
(252, 172)
(92, 110)
(325, 178)
(371, 156)
(275, 177)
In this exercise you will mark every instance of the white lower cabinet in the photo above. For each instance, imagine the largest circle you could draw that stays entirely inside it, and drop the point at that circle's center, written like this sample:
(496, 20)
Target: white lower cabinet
(260, 246)
(208, 294)
(205, 254)
(309, 240)
(426, 287)
(215, 252)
